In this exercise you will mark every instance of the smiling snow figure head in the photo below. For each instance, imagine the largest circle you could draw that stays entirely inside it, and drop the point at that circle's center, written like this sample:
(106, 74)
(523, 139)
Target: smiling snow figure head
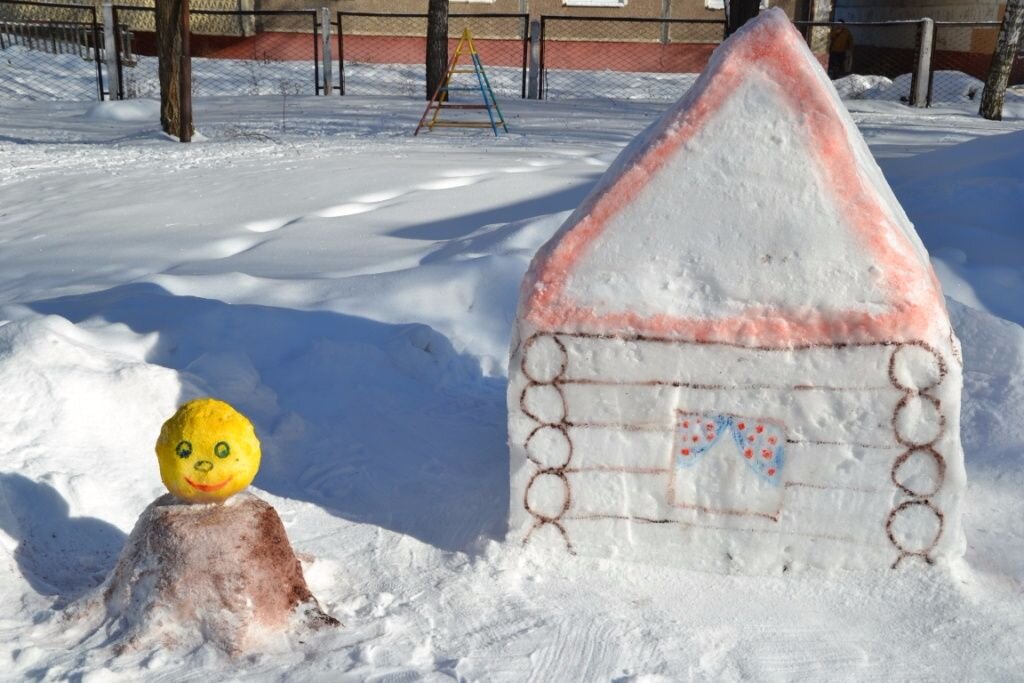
(208, 451)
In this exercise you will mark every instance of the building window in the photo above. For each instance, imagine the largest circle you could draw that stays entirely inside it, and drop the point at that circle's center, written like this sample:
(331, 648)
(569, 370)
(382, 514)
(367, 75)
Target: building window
(594, 3)
(720, 4)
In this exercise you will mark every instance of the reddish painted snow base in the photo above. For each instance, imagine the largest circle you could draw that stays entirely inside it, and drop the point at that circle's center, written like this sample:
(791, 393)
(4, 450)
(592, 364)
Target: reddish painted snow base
(773, 47)
(222, 572)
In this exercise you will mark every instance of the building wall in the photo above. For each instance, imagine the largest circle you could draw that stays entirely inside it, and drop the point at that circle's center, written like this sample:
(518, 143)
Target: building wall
(676, 9)
(978, 40)
(939, 10)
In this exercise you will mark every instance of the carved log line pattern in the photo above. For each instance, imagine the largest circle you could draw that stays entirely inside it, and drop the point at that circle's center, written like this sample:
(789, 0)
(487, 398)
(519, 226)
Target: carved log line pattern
(559, 470)
(917, 499)
(718, 527)
(545, 469)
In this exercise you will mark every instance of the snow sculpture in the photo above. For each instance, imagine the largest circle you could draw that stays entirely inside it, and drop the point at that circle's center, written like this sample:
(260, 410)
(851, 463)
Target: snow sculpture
(202, 564)
(735, 355)
(207, 451)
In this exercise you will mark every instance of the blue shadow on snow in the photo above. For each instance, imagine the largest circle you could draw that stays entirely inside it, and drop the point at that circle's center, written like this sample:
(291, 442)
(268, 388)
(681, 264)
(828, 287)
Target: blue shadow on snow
(57, 554)
(376, 423)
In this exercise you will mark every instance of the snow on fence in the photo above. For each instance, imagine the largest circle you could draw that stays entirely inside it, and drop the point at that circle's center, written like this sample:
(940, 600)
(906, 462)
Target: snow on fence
(961, 56)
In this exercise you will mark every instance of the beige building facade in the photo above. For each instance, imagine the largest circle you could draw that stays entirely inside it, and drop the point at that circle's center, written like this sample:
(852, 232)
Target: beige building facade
(939, 10)
(652, 9)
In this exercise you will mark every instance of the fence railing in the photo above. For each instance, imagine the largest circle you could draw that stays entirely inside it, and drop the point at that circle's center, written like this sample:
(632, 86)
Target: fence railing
(961, 56)
(54, 37)
(254, 52)
(384, 54)
(52, 51)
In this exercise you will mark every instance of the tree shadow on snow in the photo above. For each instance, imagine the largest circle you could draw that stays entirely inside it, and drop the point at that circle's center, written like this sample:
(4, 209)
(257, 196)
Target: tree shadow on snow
(377, 423)
(57, 554)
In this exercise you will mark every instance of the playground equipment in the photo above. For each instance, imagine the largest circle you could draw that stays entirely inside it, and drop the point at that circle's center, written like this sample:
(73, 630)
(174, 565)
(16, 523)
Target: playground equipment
(440, 99)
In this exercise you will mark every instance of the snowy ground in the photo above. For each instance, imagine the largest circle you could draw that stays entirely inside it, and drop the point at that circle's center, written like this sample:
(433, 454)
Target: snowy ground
(351, 288)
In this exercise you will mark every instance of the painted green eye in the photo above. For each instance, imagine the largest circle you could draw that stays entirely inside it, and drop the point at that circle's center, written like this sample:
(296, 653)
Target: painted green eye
(222, 450)
(183, 449)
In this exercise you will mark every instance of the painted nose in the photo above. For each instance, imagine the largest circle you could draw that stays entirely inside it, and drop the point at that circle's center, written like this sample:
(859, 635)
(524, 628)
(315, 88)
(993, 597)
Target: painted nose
(204, 465)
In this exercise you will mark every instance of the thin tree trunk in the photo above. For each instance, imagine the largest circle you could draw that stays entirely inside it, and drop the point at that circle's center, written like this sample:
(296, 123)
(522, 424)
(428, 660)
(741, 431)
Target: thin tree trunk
(169, 53)
(437, 44)
(739, 12)
(1002, 61)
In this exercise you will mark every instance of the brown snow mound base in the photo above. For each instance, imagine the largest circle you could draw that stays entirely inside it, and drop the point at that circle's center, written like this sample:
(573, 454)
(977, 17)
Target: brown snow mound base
(220, 573)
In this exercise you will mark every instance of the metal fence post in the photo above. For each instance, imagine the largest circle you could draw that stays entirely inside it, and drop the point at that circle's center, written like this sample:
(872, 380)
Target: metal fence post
(533, 89)
(110, 52)
(325, 31)
(341, 55)
(666, 13)
(921, 80)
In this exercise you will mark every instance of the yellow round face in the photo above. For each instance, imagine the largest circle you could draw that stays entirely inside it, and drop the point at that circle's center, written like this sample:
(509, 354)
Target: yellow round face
(208, 451)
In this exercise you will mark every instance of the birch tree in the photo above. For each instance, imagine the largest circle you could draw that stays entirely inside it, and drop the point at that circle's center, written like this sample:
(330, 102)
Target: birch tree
(1002, 61)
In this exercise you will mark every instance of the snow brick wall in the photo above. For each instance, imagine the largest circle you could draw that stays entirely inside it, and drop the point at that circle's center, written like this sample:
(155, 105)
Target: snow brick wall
(735, 355)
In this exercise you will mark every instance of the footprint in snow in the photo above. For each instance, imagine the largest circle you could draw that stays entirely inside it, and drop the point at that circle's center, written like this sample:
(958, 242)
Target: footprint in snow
(340, 210)
(231, 246)
(448, 183)
(465, 173)
(378, 197)
(269, 225)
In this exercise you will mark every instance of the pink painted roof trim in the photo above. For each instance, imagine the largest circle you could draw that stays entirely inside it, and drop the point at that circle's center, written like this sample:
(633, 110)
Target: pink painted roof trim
(776, 48)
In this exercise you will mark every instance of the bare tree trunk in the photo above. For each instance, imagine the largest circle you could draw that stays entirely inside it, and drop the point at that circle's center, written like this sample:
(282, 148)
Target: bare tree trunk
(1002, 61)
(739, 12)
(169, 14)
(437, 44)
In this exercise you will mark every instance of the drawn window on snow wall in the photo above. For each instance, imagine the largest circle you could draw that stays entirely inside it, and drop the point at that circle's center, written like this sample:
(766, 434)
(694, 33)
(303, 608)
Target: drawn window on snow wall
(735, 354)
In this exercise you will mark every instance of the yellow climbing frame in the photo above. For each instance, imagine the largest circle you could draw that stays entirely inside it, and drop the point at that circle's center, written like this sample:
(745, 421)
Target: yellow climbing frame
(432, 114)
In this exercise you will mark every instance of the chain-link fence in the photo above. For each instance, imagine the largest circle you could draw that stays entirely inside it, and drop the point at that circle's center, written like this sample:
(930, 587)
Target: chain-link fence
(961, 56)
(384, 54)
(629, 58)
(56, 51)
(867, 60)
(261, 52)
(658, 59)
(50, 51)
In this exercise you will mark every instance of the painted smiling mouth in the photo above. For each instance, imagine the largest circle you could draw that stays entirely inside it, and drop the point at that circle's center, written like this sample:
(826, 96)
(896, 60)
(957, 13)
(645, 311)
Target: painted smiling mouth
(208, 487)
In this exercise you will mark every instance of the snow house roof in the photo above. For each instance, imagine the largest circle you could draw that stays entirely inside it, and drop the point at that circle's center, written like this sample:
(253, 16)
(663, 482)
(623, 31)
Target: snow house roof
(751, 213)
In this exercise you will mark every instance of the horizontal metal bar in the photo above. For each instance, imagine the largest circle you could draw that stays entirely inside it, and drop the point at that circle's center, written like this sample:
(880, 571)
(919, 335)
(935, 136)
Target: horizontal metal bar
(47, 23)
(969, 24)
(826, 24)
(467, 124)
(257, 12)
(653, 20)
(84, 8)
(451, 15)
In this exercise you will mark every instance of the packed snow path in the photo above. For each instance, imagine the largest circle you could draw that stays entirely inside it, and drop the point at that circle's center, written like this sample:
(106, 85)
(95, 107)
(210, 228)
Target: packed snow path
(352, 291)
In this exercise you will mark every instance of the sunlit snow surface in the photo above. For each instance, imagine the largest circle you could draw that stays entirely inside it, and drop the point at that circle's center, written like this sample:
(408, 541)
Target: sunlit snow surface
(351, 288)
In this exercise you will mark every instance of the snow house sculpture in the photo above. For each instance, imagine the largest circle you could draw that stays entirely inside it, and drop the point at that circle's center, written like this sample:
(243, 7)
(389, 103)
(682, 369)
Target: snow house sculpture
(735, 355)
